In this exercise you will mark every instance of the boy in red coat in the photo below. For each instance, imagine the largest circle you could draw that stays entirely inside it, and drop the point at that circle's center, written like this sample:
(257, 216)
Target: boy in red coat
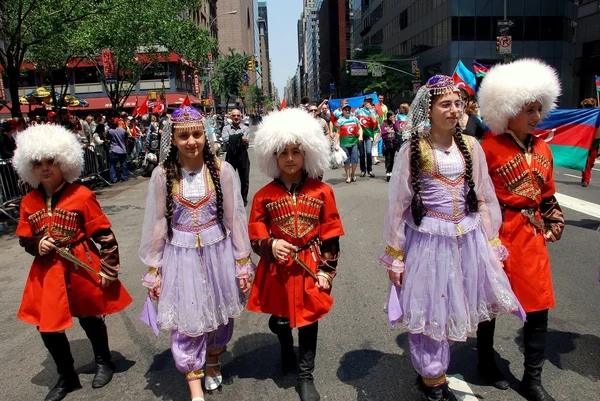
(295, 228)
(60, 215)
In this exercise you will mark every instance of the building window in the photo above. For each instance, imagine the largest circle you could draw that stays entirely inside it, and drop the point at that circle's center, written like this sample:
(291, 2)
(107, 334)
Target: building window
(403, 19)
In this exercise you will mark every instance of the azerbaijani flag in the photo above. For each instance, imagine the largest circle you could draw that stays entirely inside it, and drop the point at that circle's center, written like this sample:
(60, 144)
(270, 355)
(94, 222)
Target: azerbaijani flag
(597, 83)
(480, 69)
(354, 102)
(464, 78)
(570, 133)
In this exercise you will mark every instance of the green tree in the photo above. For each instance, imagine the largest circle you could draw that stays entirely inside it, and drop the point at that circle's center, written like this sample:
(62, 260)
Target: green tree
(140, 35)
(230, 75)
(390, 84)
(253, 97)
(26, 23)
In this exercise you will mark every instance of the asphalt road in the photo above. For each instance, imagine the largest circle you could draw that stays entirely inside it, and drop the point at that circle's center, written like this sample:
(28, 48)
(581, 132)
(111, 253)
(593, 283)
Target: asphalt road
(359, 356)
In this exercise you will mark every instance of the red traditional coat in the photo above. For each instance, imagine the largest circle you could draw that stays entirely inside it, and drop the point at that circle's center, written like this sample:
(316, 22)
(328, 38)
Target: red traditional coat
(286, 289)
(521, 185)
(56, 290)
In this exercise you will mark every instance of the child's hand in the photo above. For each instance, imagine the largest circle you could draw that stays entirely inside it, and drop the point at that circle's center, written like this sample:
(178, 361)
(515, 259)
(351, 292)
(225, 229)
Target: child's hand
(246, 284)
(323, 284)
(396, 278)
(47, 246)
(282, 249)
(155, 292)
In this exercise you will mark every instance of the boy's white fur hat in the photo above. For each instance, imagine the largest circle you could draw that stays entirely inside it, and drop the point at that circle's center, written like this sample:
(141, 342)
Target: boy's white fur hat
(47, 142)
(506, 88)
(289, 126)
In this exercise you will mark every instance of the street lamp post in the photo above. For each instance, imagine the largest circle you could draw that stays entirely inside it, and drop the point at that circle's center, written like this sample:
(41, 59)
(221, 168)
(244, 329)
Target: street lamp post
(210, 64)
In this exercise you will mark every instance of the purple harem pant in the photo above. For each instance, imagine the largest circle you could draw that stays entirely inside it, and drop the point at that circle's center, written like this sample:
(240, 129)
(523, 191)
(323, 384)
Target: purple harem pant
(189, 353)
(429, 357)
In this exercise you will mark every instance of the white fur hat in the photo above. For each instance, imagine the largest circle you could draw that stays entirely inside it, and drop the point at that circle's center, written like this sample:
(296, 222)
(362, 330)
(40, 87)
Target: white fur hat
(506, 88)
(47, 142)
(289, 126)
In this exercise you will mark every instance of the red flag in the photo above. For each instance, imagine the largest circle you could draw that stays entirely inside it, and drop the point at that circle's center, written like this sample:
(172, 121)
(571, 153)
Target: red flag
(379, 110)
(282, 104)
(186, 101)
(159, 108)
(143, 109)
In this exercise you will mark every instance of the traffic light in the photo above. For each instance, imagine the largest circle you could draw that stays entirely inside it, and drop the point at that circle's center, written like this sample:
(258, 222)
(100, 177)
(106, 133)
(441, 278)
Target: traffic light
(256, 67)
(347, 68)
(251, 65)
(418, 73)
(497, 43)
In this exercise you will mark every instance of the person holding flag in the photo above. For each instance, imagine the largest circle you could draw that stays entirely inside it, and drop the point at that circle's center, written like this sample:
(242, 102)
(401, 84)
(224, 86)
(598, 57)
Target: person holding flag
(586, 175)
(367, 117)
(513, 99)
(350, 136)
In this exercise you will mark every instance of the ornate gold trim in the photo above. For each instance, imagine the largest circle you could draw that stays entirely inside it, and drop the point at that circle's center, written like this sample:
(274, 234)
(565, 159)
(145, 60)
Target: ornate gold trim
(495, 242)
(434, 382)
(194, 375)
(395, 253)
(243, 261)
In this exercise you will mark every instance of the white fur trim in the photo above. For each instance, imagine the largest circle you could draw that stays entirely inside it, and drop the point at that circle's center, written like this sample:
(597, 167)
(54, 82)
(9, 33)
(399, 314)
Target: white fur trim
(47, 142)
(506, 88)
(285, 127)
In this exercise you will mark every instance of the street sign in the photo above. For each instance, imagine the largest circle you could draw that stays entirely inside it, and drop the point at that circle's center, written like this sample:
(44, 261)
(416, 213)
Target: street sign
(505, 44)
(413, 66)
(332, 86)
(110, 70)
(196, 84)
(377, 71)
(359, 70)
(504, 26)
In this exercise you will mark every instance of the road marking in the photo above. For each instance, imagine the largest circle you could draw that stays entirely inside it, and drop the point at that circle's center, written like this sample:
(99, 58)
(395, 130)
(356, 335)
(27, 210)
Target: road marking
(581, 206)
(596, 169)
(462, 391)
(571, 175)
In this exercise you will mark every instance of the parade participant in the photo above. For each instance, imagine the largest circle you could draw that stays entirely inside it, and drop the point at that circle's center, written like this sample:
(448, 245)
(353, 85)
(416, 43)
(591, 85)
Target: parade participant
(237, 136)
(295, 229)
(443, 254)
(586, 175)
(391, 142)
(377, 148)
(58, 222)
(368, 121)
(350, 136)
(195, 242)
(514, 98)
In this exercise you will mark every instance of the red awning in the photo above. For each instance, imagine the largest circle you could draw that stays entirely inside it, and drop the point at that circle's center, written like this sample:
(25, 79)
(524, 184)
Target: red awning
(103, 103)
(24, 109)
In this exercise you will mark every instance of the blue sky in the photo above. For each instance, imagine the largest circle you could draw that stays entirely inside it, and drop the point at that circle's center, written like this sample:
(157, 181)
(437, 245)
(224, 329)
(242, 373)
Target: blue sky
(283, 39)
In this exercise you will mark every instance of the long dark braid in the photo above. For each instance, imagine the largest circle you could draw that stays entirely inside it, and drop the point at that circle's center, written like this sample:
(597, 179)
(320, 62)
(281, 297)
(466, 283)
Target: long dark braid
(472, 204)
(416, 206)
(172, 172)
(211, 163)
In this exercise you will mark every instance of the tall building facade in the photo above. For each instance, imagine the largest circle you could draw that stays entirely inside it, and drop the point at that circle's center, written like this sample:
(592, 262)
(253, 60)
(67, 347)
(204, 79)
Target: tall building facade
(239, 31)
(442, 32)
(334, 44)
(587, 49)
(263, 21)
(311, 40)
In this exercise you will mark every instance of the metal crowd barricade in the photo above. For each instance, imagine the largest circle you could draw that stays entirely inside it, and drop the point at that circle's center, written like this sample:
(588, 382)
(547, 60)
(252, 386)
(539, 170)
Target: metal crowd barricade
(95, 163)
(12, 190)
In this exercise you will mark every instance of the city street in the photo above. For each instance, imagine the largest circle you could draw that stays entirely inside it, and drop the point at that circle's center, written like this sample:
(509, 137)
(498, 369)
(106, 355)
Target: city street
(360, 357)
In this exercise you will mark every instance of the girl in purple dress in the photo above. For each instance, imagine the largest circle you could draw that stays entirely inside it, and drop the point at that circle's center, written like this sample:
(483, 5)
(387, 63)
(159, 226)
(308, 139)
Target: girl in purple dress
(195, 242)
(443, 254)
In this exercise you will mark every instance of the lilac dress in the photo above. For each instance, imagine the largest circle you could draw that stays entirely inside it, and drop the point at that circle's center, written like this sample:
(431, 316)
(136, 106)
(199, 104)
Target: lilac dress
(200, 265)
(452, 261)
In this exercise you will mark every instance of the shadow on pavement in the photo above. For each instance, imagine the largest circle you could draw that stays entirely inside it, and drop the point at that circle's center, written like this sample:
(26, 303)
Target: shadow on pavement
(585, 223)
(579, 353)
(82, 352)
(164, 380)
(380, 376)
(256, 356)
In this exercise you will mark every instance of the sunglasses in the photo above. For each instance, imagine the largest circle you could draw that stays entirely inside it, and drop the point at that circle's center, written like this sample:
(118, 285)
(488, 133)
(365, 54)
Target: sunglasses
(313, 110)
(236, 115)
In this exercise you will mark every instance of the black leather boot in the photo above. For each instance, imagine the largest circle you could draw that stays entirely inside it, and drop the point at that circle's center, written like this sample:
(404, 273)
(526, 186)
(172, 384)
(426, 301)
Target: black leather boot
(58, 346)
(307, 346)
(534, 339)
(487, 360)
(95, 329)
(281, 327)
